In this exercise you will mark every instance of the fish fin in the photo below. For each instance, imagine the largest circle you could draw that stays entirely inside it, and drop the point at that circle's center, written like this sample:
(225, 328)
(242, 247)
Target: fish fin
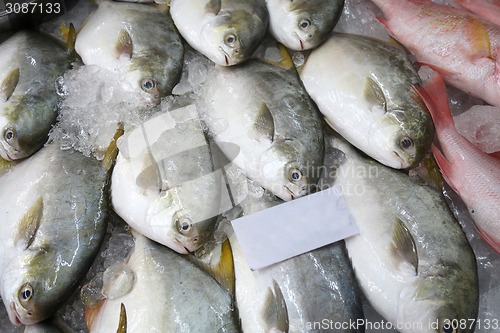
(479, 39)
(495, 154)
(223, 268)
(403, 245)
(112, 150)
(286, 61)
(433, 93)
(9, 84)
(275, 312)
(124, 45)
(444, 165)
(373, 94)
(122, 324)
(213, 7)
(224, 271)
(263, 124)
(28, 225)
(71, 39)
(91, 312)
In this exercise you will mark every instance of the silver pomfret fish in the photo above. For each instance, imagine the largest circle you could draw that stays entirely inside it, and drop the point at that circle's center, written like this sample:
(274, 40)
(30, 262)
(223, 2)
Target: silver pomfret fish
(30, 64)
(296, 294)
(411, 258)
(365, 89)
(159, 290)
(54, 206)
(265, 111)
(169, 191)
(303, 24)
(225, 31)
(137, 40)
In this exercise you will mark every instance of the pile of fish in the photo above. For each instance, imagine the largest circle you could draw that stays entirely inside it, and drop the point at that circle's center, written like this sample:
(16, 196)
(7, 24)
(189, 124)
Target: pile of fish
(130, 143)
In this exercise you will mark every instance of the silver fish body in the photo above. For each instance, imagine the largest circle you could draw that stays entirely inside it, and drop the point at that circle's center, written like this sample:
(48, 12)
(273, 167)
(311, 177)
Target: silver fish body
(303, 24)
(54, 208)
(159, 290)
(137, 40)
(411, 258)
(265, 111)
(30, 64)
(365, 89)
(309, 292)
(169, 191)
(225, 31)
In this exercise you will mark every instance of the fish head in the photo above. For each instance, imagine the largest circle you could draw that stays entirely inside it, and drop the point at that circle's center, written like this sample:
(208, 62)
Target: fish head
(232, 37)
(179, 221)
(303, 25)
(153, 73)
(31, 292)
(399, 140)
(284, 170)
(21, 133)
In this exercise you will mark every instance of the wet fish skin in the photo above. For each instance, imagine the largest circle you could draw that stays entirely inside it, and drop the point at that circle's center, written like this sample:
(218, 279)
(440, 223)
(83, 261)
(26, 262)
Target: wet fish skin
(399, 259)
(225, 31)
(473, 174)
(462, 47)
(303, 24)
(30, 65)
(151, 66)
(489, 10)
(176, 199)
(278, 131)
(314, 287)
(370, 100)
(178, 296)
(54, 221)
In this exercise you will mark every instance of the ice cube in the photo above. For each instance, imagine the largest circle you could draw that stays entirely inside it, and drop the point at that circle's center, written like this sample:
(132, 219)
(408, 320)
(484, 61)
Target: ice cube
(481, 126)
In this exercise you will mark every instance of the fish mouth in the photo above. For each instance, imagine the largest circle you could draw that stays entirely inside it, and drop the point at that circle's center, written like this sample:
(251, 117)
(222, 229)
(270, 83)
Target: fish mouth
(301, 43)
(182, 247)
(226, 56)
(401, 160)
(5, 154)
(290, 192)
(14, 315)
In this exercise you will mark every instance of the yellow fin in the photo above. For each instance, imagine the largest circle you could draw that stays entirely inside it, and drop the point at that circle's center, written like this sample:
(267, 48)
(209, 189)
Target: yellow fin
(122, 325)
(479, 39)
(112, 150)
(403, 245)
(28, 225)
(222, 268)
(9, 84)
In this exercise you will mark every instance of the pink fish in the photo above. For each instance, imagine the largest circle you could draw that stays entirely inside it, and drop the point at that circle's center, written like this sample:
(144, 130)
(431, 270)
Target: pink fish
(474, 175)
(489, 10)
(462, 47)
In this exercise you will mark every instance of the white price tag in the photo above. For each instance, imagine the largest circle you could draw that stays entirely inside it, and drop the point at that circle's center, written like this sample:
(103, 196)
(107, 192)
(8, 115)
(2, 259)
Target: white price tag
(294, 227)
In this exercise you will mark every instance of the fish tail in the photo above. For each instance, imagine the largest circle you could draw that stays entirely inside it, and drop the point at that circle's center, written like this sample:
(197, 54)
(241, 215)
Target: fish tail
(433, 93)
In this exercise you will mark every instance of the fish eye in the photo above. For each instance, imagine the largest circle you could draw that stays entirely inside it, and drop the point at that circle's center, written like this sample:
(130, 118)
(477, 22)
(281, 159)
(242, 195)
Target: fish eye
(295, 175)
(9, 134)
(25, 293)
(304, 24)
(148, 84)
(184, 225)
(230, 40)
(406, 143)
